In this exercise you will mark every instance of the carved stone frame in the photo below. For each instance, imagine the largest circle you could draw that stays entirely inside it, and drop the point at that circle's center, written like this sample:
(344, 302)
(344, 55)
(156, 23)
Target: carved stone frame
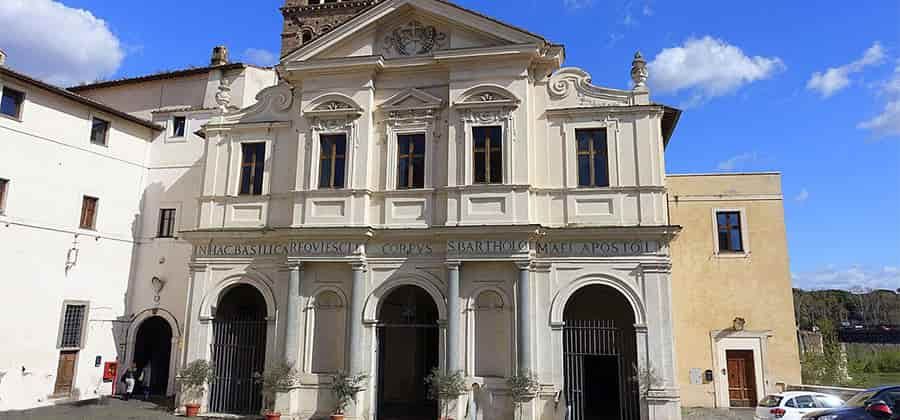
(487, 106)
(401, 119)
(332, 114)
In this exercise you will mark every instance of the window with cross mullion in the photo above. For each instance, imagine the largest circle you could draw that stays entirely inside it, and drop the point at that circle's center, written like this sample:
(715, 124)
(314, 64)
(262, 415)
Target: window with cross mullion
(253, 161)
(593, 162)
(411, 161)
(487, 145)
(332, 161)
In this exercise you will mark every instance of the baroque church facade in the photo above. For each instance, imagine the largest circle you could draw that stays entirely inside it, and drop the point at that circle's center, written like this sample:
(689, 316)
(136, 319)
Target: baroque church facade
(417, 186)
(492, 219)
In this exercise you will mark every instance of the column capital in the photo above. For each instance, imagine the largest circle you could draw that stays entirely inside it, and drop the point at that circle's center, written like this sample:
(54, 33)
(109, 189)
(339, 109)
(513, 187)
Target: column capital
(359, 266)
(523, 265)
(541, 266)
(294, 265)
(196, 267)
(453, 264)
(656, 267)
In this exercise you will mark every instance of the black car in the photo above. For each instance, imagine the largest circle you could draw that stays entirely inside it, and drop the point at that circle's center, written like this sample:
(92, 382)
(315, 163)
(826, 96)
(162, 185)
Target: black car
(876, 403)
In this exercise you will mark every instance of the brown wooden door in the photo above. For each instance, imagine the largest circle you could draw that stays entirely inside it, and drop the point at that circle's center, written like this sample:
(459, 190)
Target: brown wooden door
(741, 378)
(65, 373)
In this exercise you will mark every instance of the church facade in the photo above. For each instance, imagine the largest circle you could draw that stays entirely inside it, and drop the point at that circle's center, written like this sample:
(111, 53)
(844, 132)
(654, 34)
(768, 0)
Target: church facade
(429, 188)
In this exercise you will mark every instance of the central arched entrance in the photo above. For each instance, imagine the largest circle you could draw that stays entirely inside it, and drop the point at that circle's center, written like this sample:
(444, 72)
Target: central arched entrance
(238, 351)
(152, 353)
(407, 351)
(600, 356)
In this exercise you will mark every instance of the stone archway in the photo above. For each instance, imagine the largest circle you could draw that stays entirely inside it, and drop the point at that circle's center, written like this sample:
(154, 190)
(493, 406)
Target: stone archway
(408, 348)
(152, 354)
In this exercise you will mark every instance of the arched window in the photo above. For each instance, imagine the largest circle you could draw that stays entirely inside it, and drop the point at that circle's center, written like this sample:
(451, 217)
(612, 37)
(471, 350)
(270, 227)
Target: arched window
(306, 36)
(492, 339)
(328, 333)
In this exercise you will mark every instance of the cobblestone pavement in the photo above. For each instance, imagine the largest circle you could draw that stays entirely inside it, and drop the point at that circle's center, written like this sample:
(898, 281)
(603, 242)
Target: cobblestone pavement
(716, 414)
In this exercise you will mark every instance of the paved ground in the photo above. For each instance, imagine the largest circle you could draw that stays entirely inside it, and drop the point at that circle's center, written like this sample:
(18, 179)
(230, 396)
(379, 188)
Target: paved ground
(716, 414)
(115, 409)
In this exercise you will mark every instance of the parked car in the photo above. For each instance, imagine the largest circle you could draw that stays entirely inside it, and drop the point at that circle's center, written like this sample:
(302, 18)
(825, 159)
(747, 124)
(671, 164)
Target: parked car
(876, 403)
(794, 405)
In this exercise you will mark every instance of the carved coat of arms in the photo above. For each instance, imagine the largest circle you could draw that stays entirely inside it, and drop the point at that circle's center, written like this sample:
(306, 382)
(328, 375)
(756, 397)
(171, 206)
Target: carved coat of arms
(414, 39)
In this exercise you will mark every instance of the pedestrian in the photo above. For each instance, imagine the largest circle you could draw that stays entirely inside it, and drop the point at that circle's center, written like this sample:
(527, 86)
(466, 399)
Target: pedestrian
(145, 381)
(480, 401)
(129, 378)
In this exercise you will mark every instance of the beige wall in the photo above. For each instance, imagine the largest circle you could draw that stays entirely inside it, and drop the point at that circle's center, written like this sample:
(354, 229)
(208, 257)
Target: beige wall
(710, 290)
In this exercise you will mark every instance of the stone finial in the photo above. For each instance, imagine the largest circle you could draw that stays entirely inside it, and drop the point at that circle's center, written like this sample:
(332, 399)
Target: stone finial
(2, 58)
(219, 56)
(223, 96)
(639, 71)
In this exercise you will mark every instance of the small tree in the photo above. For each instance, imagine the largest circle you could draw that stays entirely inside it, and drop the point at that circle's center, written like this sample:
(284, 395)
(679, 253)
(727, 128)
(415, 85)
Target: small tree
(279, 378)
(345, 388)
(523, 387)
(193, 379)
(445, 388)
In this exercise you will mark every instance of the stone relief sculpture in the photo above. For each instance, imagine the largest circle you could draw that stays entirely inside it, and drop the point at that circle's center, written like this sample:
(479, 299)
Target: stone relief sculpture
(414, 38)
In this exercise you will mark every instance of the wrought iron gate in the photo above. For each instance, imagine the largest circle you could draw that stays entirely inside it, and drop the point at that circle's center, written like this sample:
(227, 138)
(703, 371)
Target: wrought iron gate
(585, 339)
(238, 352)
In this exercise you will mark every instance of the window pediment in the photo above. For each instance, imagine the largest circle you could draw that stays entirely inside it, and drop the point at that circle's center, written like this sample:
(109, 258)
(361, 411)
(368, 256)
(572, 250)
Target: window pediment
(333, 106)
(487, 96)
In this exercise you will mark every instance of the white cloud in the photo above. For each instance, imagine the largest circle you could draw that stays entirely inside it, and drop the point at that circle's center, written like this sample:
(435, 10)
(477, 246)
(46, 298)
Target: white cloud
(737, 161)
(888, 122)
(837, 78)
(708, 67)
(56, 43)
(850, 278)
(577, 4)
(802, 196)
(260, 57)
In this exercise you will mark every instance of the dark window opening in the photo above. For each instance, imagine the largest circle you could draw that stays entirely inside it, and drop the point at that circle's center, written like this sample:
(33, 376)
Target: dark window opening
(306, 37)
(166, 223)
(593, 159)
(729, 231)
(99, 131)
(411, 161)
(332, 161)
(253, 162)
(178, 126)
(4, 184)
(11, 102)
(88, 213)
(488, 154)
(72, 327)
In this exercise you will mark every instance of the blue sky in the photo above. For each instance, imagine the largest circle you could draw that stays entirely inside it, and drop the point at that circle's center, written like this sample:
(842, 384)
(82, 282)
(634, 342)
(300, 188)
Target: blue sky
(813, 92)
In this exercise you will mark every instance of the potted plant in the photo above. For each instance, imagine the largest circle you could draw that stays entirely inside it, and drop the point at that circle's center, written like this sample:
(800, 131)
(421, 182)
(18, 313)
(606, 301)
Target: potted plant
(345, 387)
(193, 379)
(445, 387)
(279, 378)
(523, 387)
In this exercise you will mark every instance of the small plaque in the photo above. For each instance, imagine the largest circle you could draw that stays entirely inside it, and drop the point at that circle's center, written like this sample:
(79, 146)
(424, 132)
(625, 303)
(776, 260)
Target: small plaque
(696, 376)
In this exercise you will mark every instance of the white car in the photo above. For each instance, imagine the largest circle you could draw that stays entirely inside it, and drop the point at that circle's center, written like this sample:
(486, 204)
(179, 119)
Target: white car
(794, 405)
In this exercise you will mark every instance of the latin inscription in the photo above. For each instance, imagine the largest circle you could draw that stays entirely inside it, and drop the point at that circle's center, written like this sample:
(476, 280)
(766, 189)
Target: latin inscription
(606, 248)
(293, 248)
(487, 247)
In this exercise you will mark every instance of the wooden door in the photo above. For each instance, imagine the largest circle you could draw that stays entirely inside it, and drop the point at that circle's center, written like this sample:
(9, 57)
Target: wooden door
(741, 378)
(65, 373)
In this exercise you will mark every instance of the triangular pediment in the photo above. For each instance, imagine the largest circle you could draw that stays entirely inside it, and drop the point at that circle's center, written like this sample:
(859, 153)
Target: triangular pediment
(412, 28)
(412, 99)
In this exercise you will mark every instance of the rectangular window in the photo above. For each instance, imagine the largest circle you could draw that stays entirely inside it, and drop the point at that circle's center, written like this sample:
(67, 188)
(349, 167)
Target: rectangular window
(729, 231)
(99, 131)
(4, 184)
(593, 162)
(178, 126)
(166, 223)
(488, 154)
(411, 161)
(72, 326)
(88, 213)
(11, 103)
(332, 161)
(253, 162)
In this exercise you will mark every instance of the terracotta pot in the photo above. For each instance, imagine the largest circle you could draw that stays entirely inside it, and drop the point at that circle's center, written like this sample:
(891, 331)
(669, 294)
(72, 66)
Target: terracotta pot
(337, 417)
(191, 410)
(270, 415)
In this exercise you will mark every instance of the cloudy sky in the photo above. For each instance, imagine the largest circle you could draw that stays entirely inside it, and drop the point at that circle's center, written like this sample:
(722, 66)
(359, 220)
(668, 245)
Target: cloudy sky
(813, 92)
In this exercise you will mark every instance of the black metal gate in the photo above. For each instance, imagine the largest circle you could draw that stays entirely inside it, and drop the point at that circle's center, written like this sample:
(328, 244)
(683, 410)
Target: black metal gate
(600, 359)
(238, 352)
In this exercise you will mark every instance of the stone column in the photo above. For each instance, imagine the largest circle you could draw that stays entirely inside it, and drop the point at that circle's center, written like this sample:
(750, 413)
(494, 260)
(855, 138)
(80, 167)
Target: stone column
(453, 329)
(292, 328)
(357, 300)
(523, 316)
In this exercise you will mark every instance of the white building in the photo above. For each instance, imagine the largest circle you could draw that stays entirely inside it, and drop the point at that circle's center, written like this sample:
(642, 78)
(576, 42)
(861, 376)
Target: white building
(79, 217)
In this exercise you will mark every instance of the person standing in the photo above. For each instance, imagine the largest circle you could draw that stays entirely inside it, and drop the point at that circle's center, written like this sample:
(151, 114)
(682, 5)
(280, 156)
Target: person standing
(129, 378)
(145, 381)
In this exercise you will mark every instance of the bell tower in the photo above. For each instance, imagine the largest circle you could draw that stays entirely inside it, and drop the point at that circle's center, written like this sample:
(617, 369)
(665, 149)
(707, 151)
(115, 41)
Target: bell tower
(306, 20)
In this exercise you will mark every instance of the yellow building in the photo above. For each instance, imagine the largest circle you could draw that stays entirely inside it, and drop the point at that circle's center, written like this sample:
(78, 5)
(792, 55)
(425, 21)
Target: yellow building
(731, 289)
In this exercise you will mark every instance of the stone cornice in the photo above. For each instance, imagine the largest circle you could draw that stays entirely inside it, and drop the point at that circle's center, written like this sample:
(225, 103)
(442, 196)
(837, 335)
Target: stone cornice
(603, 109)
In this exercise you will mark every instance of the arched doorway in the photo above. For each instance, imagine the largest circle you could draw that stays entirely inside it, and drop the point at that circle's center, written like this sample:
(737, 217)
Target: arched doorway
(600, 356)
(153, 349)
(407, 352)
(238, 351)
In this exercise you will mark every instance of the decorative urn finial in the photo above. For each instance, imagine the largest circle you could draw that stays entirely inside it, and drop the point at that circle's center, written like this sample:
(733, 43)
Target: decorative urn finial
(639, 71)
